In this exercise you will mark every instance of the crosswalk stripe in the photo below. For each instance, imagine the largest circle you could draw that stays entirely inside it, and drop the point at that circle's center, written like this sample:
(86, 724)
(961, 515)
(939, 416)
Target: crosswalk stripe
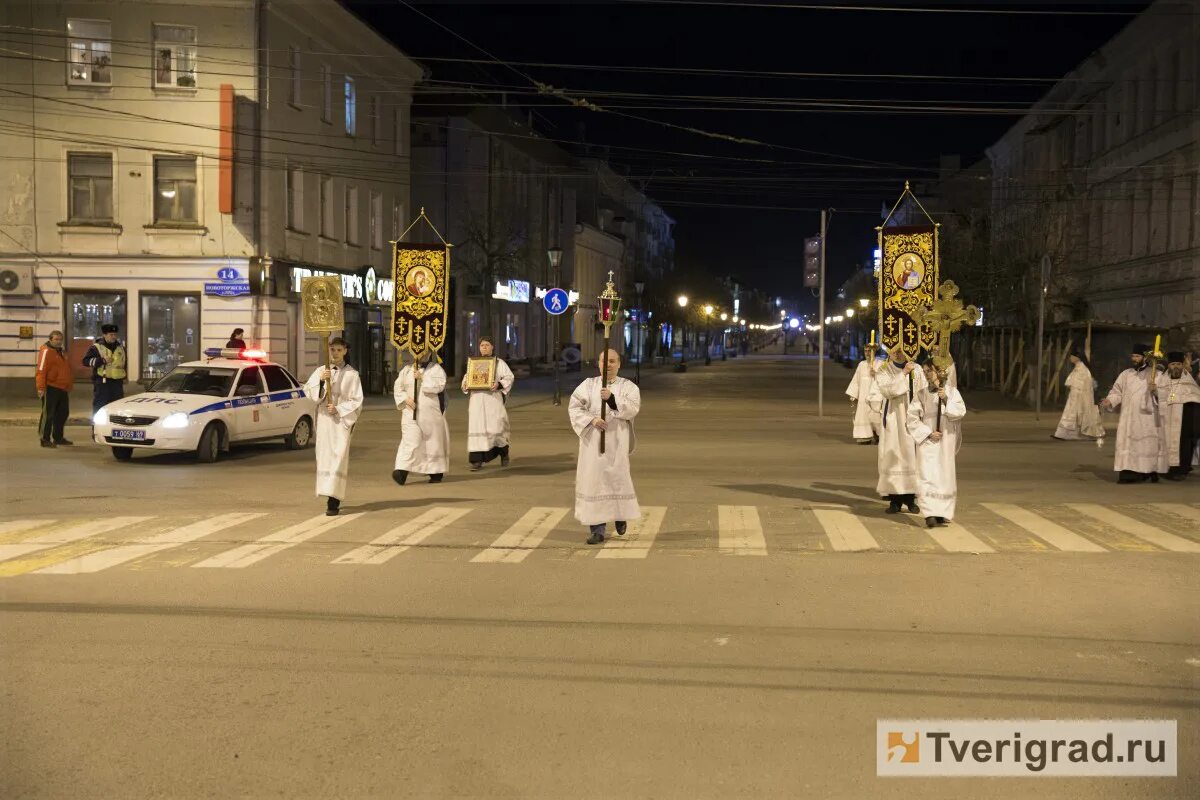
(638, 539)
(954, 538)
(103, 559)
(740, 531)
(67, 535)
(1044, 529)
(21, 525)
(844, 530)
(525, 534)
(277, 542)
(1135, 527)
(1179, 510)
(402, 537)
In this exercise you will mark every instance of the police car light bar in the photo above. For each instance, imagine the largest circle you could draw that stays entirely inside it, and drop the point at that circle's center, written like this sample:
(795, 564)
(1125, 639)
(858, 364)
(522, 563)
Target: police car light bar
(234, 352)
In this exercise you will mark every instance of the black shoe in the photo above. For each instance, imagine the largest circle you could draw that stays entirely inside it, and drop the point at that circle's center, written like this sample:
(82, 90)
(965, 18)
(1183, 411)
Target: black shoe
(912, 508)
(943, 521)
(48, 443)
(476, 466)
(66, 442)
(399, 476)
(931, 522)
(504, 461)
(621, 528)
(1154, 477)
(893, 508)
(332, 506)
(435, 478)
(597, 536)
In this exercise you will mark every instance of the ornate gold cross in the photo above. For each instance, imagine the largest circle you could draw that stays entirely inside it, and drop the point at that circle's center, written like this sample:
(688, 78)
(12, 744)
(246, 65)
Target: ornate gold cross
(945, 317)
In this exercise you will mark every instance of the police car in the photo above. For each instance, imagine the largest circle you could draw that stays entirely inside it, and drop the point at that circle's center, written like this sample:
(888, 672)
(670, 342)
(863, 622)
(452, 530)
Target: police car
(232, 396)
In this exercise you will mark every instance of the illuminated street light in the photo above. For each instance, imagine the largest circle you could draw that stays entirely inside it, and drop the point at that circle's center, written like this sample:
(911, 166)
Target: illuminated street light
(724, 316)
(863, 302)
(849, 313)
(683, 301)
(828, 320)
(708, 309)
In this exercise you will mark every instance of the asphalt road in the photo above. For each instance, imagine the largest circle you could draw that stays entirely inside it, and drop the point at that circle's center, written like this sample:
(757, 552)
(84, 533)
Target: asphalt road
(743, 643)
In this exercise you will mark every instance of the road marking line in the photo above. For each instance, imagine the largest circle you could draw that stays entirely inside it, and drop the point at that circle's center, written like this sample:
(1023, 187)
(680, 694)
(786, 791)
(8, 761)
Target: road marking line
(67, 535)
(956, 539)
(520, 540)
(740, 531)
(637, 540)
(844, 530)
(103, 559)
(1135, 527)
(268, 546)
(1179, 510)
(1044, 529)
(22, 525)
(402, 537)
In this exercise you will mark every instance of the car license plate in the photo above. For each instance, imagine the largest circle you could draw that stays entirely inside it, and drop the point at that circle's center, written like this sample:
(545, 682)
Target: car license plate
(128, 436)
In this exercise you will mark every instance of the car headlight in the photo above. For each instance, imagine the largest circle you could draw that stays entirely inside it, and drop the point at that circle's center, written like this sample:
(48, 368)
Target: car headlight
(100, 418)
(176, 420)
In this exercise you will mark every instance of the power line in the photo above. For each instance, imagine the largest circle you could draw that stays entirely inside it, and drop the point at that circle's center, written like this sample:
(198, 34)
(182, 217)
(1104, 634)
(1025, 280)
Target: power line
(888, 9)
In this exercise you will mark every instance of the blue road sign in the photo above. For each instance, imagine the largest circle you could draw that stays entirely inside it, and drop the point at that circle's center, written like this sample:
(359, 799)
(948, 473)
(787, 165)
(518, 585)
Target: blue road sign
(556, 301)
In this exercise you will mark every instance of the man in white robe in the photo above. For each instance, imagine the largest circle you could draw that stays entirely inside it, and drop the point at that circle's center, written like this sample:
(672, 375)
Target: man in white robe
(603, 486)
(868, 402)
(339, 396)
(487, 419)
(424, 440)
(937, 433)
(1081, 416)
(1179, 396)
(898, 381)
(1141, 452)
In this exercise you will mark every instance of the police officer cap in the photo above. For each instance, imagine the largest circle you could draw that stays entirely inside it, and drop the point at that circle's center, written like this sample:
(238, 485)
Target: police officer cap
(1175, 356)
(109, 328)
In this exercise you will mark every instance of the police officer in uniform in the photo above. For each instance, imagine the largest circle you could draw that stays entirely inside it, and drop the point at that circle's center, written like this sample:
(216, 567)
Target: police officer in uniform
(109, 363)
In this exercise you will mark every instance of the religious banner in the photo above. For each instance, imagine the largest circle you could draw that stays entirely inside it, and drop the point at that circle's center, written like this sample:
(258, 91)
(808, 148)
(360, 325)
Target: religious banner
(421, 274)
(908, 276)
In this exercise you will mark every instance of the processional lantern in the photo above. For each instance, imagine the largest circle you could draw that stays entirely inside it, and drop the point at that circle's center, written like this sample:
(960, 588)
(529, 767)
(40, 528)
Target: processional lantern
(610, 307)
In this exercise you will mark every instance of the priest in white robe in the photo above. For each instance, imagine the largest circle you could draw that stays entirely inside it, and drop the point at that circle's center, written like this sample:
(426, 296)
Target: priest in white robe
(898, 381)
(1141, 451)
(339, 396)
(868, 402)
(1179, 396)
(935, 424)
(1081, 416)
(424, 435)
(603, 485)
(487, 419)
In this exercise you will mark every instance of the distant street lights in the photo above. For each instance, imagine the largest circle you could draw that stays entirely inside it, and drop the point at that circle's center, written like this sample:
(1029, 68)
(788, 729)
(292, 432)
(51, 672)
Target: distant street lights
(639, 286)
(708, 312)
(682, 365)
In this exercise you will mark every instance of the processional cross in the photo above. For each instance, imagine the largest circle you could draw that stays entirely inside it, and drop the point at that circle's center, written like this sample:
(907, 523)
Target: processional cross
(945, 317)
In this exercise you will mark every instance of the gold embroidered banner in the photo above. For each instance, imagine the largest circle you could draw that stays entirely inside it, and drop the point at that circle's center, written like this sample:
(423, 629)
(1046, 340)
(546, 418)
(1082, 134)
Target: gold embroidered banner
(908, 279)
(419, 312)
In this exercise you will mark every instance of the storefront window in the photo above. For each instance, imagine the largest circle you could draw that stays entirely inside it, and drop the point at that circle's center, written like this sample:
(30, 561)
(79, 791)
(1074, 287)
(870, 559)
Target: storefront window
(512, 335)
(170, 332)
(86, 312)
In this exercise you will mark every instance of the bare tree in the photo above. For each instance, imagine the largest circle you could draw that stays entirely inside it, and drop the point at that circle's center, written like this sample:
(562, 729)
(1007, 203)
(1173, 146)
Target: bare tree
(495, 246)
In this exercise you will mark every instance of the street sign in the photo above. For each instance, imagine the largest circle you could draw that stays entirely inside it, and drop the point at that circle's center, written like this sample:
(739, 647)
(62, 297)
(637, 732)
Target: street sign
(556, 301)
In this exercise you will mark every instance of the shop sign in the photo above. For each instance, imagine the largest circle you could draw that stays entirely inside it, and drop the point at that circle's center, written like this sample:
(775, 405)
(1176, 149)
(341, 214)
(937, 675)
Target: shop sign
(231, 284)
(364, 287)
(513, 291)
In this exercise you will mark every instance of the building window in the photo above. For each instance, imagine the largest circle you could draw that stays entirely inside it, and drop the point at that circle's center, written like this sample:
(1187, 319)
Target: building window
(326, 93)
(376, 122)
(327, 207)
(86, 312)
(170, 331)
(90, 192)
(295, 199)
(376, 220)
(348, 93)
(351, 215)
(175, 189)
(89, 52)
(294, 91)
(174, 56)
(397, 219)
(398, 133)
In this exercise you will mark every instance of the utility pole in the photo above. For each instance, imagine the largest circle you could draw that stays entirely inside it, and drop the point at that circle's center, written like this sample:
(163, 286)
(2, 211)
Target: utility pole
(1044, 267)
(821, 321)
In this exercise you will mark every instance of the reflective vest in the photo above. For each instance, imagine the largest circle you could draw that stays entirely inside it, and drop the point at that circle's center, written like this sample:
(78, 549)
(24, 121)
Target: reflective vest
(115, 369)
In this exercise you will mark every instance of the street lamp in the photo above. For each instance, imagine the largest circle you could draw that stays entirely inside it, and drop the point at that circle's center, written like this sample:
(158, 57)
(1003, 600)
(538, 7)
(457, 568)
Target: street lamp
(682, 366)
(555, 255)
(638, 287)
(850, 313)
(863, 302)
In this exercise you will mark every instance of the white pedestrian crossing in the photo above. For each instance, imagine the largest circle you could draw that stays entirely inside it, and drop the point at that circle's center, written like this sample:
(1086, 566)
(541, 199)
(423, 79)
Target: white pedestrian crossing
(740, 532)
(520, 540)
(402, 537)
(955, 538)
(638, 539)
(72, 533)
(267, 546)
(1044, 529)
(1179, 510)
(845, 532)
(22, 525)
(1135, 527)
(103, 559)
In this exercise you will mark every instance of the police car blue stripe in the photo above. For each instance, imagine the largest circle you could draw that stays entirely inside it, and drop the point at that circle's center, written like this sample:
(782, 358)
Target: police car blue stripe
(258, 400)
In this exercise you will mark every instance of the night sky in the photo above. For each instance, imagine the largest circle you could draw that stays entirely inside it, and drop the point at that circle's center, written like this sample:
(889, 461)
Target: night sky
(853, 157)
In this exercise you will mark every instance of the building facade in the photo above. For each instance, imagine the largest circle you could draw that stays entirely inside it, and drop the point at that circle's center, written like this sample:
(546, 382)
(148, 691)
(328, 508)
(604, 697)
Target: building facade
(1102, 175)
(179, 167)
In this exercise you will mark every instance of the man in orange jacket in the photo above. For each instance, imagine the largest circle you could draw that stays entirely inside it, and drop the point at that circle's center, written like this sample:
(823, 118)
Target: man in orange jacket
(54, 383)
